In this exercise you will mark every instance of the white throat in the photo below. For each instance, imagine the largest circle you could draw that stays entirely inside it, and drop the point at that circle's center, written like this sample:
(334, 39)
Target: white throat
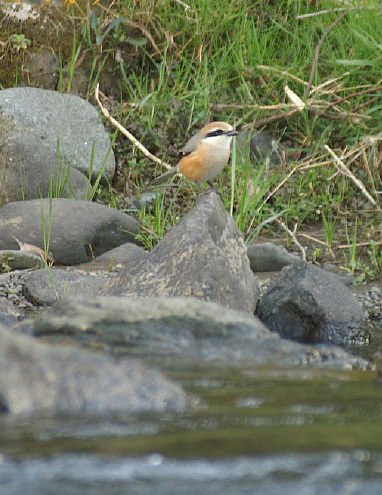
(219, 142)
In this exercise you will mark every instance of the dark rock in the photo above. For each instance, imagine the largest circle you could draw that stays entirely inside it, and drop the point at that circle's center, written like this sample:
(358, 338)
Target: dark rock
(308, 304)
(77, 232)
(47, 286)
(203, 256)
(37, 377)
(29, 169)
(65, 123)
(179, 329)
(122, 254)
(42, 68)
(268, 257)
(262, 145)
(347, 278)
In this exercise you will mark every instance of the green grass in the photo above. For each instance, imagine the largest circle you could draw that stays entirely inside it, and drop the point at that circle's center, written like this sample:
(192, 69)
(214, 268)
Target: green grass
(220, 60)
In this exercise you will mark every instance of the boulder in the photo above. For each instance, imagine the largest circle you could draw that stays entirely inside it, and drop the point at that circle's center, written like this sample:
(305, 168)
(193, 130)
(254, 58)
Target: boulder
(47, 286)
(178, 330)
(30, 169)
(125, 253)
(77, 231)
(268, 257)
(69, 125)
(37, 377)
(203, 256)
(308, 304)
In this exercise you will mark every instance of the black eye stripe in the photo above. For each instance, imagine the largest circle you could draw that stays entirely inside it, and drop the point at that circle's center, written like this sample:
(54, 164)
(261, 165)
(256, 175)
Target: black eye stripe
(216, 132)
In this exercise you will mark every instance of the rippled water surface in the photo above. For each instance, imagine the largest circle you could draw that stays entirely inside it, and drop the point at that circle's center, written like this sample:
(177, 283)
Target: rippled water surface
(256, 431)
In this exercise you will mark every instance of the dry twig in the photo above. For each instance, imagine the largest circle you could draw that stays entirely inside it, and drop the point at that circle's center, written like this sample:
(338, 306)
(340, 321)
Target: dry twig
(328, 11)
(293, 237)
(343, 169)
(314, 239)
(272, 118)
(317, 52)
(126, 133)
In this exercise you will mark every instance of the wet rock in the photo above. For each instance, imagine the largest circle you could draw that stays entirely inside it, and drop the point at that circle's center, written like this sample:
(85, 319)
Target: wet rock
(37, 377)
(308, 304)
(179, 329)
(67, 124)
(268, 257)
(45, 287)
(203, 256)
(29, 169)
(77, 230)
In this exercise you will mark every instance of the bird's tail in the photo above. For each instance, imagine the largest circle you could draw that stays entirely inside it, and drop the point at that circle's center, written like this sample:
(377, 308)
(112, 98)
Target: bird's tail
(162, 178)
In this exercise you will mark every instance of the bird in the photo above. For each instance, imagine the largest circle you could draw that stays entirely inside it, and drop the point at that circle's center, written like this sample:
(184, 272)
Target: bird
(204, 155)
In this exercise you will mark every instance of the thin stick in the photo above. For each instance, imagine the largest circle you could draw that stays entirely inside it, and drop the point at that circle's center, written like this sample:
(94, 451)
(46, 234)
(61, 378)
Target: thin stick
(126, 133)
(293, 237)
(317, 52)
(264, 223)
(328, 11)
(278, 186)
(314, 239)
(253, 106)
(147, 33)
(183, 4)
(282, 72)
(359, 244)
(272, 118)
(367, 167)
(342, 168)
(328, 83)
(353, 95)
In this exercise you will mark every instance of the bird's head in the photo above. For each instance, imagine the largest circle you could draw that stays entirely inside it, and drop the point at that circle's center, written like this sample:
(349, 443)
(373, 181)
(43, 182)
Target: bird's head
(217, 133)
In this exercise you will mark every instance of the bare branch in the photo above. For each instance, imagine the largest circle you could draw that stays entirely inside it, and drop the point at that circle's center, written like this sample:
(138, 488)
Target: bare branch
(317, 52)
(126, 133)
(293, 237)
(343, 169)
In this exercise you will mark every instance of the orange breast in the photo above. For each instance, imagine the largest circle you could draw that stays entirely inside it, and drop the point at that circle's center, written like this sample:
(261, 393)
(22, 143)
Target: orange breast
(194, 168)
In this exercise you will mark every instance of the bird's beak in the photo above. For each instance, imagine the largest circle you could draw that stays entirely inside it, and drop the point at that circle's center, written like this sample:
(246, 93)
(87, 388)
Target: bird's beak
(231, 133)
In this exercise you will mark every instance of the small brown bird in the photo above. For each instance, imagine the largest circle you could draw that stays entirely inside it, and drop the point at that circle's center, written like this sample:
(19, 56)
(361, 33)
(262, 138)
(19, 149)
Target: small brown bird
(205, 155)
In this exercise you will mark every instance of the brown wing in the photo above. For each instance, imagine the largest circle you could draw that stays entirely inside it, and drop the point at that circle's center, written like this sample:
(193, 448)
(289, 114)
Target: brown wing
(191, 145)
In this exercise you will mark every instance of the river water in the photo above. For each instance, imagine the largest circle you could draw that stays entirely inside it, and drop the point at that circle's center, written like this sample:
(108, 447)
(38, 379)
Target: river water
(263, 431)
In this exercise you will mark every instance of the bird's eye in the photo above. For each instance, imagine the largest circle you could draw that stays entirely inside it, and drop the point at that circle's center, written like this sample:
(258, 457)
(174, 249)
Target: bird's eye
(215, 132)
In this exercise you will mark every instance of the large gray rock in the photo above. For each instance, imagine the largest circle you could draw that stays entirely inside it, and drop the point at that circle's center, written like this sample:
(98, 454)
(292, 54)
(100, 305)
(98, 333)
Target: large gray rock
(178, 330)
(308, 304)
(37, 377)
(63, 122)
(47, 286)
(268, 257)
(125, 253)
(30, 169)
(76, 230)
(203, 256)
